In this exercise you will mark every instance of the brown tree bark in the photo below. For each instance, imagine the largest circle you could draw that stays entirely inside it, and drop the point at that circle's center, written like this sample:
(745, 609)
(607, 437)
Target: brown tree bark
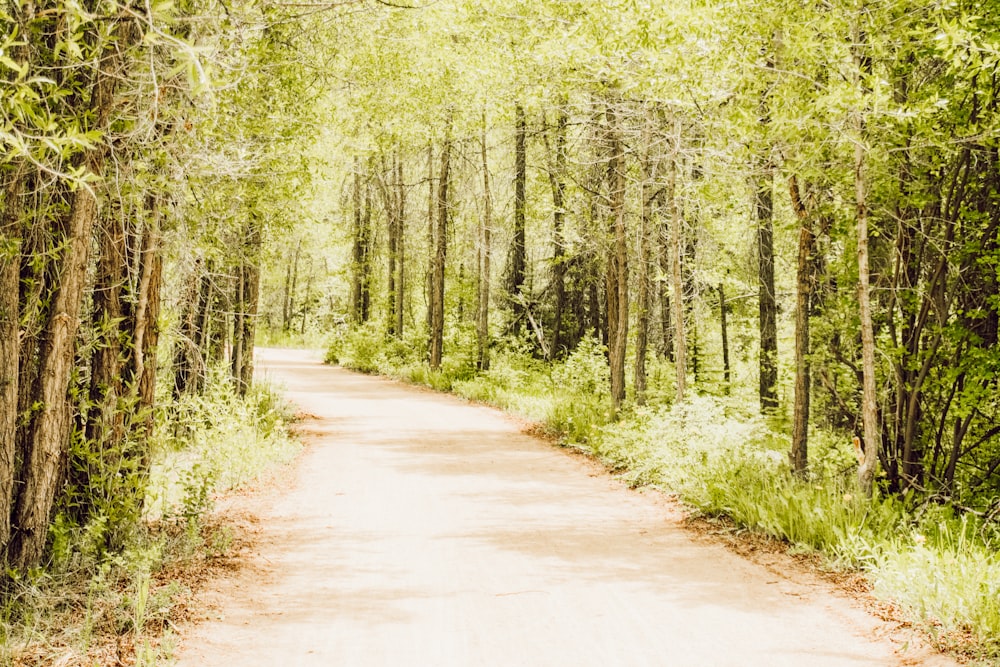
(431, 209)
(146, 323)
(485, 249)
(616, 283)
(248, 293)
(400, 301)
(665, 255)
(557, 182)
(723, 325)
(361, 248)
(440, 256)
(189, 362)
(768, 307)
(799, 454)
(677, 281)
(517, 271)
(48, 431)
(649, 195)
(869, 398)
(10, 242)
(291, 278)
(393, 241)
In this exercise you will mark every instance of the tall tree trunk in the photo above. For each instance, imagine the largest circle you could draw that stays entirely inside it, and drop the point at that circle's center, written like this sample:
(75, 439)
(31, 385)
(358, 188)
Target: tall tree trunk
(48, 432)
(616, 284)
(799, 454)
(557, 182)
(677, 281)
(431, 245)
(10, 250)
(400, 246)
(665, 255)
(869, 406)
(393, 240)
(723, 308)
(763, 185)
(649, 195)
(767, 302)
(189, 364)
(520, 181)
(105, 422)
(248, 293)
(486, 232)
(359, 246)
(366, 257)
(440, 255)
(291, 279)
(146, 328)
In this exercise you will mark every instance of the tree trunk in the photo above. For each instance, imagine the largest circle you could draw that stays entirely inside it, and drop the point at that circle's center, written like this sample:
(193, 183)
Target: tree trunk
(869, 406)
(483, 305)
(649, 195)
(677, 282)
(108, 317)
(400, 246)
(357, 245)
(440, 256)
(518, 252)
(189, 364)
(393, 241)
(665, 255)
(146, 332)
(616, 284)
(431, 246)
(48, 431)
(365, 267)
(557, 182)
(803, 307)
(10, 250)
(723, 307)
(245, 320)
(291, 279)
(768, 309)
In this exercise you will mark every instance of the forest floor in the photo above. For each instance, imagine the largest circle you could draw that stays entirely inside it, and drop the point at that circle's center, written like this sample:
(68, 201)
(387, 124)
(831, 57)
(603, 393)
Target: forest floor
(419, 529)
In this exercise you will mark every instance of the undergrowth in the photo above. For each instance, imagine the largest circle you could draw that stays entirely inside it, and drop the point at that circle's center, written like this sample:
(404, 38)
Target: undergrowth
(939, 565)
(90, 605)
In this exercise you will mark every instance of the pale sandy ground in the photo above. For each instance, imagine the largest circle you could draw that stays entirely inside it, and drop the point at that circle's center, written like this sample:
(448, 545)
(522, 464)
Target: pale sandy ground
(420, 530)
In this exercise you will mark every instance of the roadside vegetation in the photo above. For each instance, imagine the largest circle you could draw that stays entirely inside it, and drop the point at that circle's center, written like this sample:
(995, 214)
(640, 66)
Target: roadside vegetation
(114, 591)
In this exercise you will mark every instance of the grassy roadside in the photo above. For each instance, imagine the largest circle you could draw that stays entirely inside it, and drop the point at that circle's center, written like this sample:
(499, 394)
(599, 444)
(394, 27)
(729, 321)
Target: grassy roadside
(93, 606)
(938, 565)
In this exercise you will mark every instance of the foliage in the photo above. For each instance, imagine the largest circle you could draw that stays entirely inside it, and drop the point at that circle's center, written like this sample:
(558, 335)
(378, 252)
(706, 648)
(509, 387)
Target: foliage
(90, 603)
(215, 441)
(725, 461)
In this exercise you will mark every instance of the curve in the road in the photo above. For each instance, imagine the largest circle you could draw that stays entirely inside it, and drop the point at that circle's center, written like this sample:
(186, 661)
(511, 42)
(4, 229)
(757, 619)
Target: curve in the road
(422, 530)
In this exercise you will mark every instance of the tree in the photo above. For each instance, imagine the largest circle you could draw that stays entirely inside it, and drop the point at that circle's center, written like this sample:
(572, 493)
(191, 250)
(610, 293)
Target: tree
(440, 254)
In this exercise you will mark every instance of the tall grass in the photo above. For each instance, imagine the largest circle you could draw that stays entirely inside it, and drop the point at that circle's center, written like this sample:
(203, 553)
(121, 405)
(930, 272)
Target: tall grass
(93, 606)
(723, 459)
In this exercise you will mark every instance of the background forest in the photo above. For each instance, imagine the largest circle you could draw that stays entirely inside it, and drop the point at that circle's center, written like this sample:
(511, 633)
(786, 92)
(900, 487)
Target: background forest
(746, 252)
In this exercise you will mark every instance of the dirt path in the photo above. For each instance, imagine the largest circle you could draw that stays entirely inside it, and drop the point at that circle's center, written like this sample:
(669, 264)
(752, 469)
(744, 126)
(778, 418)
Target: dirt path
(418, 530)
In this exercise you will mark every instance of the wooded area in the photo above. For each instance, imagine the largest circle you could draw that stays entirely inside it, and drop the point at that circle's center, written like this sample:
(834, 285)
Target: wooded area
(834, 166)
(792, 205)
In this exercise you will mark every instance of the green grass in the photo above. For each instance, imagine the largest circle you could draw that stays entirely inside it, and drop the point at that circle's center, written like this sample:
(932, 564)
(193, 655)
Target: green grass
(93, 606)
(723, 459)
